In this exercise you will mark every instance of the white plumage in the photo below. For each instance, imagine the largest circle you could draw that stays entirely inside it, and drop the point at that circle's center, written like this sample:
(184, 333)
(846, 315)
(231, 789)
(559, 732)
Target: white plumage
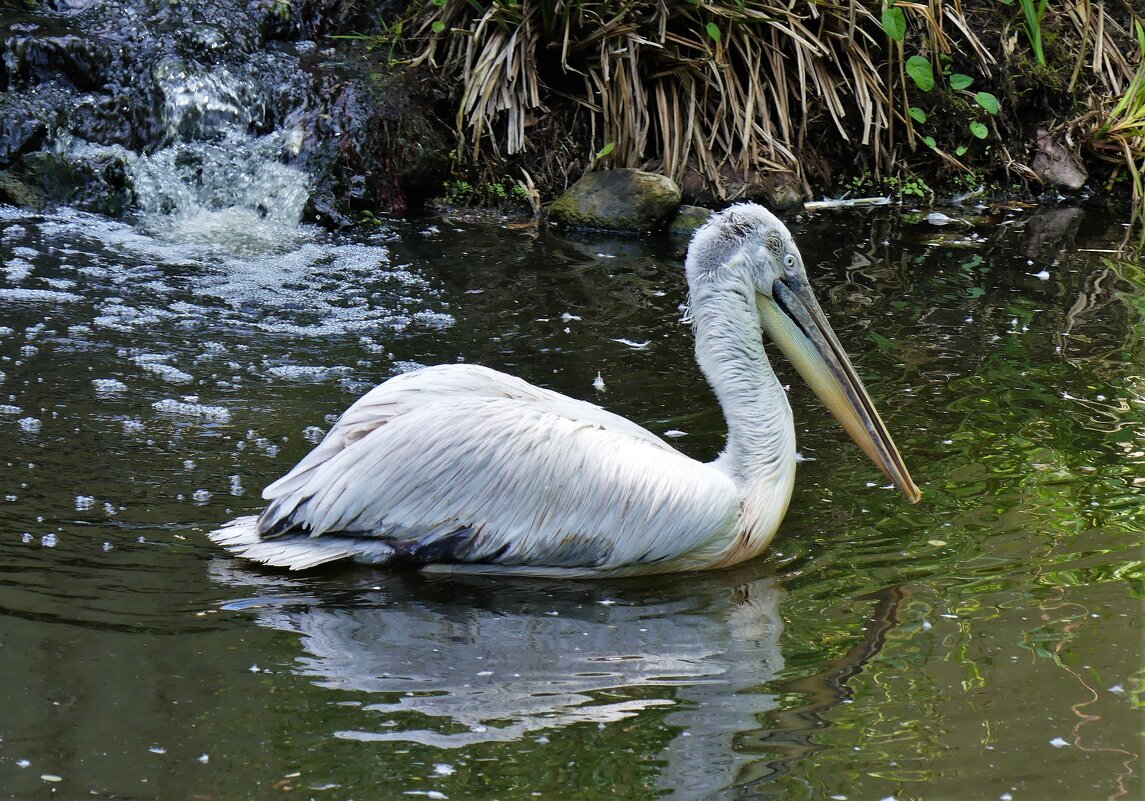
(460, 467)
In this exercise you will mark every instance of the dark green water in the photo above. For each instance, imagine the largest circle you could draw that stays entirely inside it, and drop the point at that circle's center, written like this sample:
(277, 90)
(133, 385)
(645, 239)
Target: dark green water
(984, 644)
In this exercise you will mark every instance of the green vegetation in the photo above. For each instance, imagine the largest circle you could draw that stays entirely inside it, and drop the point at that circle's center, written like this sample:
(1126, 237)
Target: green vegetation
(1120, 136)
(716, 92)
(502, 194)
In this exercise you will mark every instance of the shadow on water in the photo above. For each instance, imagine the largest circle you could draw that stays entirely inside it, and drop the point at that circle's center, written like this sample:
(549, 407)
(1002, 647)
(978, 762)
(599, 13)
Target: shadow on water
(983, 643)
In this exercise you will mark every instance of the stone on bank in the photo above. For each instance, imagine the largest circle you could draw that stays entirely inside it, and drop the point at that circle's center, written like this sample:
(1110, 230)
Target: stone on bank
(618, 200)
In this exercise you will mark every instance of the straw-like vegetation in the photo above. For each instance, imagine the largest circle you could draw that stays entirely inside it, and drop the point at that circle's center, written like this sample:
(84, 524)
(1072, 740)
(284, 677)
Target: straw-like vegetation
(727, 90)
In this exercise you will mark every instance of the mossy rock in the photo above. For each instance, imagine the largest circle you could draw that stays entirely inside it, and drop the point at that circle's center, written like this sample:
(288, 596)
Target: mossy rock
(688, 219)
(15, 192)
(618, 200)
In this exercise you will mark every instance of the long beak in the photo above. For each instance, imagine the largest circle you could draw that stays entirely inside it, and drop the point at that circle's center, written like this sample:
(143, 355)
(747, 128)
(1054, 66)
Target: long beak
(794, 321)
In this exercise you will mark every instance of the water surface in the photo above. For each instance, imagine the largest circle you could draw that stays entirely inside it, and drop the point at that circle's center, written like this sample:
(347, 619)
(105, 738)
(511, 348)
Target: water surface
(984, 644)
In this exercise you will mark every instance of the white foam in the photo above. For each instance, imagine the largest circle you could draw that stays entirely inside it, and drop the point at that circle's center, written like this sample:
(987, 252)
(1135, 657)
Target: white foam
(16, 270)
(183, 409)
(168, 373)
(301, 372)
(108, 386)
(38, 296)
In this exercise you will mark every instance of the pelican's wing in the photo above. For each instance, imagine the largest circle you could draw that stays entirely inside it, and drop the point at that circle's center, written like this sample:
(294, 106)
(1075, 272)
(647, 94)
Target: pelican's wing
(500, 474)
(418, 389)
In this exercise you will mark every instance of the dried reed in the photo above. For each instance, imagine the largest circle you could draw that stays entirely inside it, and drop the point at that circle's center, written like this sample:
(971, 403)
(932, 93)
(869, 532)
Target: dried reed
(729, 88)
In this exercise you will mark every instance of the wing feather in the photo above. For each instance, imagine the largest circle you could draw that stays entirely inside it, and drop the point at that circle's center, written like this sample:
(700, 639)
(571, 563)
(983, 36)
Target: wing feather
(464, 464)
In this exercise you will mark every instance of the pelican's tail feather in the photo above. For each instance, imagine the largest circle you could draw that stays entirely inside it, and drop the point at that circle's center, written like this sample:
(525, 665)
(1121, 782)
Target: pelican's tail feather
(297, 551)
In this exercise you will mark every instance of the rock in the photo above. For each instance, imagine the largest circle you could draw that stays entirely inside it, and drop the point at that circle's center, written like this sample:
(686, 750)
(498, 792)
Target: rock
(92, 179)
(15, 192)
(1055, 165)
(24, 124)
(781, 191)
(618, 200)
(688, 219)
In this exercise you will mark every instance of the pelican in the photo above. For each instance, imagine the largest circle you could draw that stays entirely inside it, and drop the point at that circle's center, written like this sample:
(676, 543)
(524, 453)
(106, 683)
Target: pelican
(459, 468)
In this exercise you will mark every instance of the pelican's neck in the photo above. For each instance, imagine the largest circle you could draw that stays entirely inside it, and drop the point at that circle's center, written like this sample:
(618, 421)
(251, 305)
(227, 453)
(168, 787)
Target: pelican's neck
(760, 452)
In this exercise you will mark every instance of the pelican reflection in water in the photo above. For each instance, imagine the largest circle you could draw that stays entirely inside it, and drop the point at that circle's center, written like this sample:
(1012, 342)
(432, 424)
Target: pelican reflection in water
(463, 468)
(454, 666)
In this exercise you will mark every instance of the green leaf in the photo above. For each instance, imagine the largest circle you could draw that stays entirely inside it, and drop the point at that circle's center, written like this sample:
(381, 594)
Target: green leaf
(987, 101)
(921, 71)
(438, 26)
(894, 23)
(929, 140)
(961, 150)
(960, 81)
(917, 114)
(713, 31)
(604, 151)
(979, 130)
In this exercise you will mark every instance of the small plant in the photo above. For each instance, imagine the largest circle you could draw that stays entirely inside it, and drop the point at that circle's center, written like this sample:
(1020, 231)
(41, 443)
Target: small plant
(461, 193)
(905, 187)
(922, 73)
(1120, 138)
(1033, 25)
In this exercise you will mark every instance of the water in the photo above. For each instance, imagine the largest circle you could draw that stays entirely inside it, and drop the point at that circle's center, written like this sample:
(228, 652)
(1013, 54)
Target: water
(985, 644)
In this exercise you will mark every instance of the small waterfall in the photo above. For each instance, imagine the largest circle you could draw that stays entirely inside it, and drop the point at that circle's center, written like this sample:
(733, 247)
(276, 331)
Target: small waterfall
(215, 182)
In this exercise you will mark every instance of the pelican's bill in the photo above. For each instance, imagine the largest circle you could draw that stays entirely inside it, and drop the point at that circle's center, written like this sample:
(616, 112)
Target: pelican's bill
(795, 322)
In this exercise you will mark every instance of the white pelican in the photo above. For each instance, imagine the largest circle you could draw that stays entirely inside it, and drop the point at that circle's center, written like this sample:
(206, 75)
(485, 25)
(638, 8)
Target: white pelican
(463, 468)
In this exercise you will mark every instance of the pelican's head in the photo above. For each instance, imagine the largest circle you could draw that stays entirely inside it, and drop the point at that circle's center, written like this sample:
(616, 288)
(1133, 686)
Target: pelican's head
(748, 245)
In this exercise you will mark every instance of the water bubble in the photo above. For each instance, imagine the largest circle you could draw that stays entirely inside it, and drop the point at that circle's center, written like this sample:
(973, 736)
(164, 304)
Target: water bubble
(49, 540)
(311, 373)
(172, 406)
(84, 502)
(201, 495)
(108, 386)
(29, 424)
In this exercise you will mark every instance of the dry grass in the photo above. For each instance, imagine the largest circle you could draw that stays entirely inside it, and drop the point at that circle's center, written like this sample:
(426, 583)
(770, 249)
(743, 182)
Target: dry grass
(732, 89)
(1114, 130)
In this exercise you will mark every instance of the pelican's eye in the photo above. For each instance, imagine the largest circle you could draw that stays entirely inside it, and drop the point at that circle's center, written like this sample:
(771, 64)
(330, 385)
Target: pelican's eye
(789, 263)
